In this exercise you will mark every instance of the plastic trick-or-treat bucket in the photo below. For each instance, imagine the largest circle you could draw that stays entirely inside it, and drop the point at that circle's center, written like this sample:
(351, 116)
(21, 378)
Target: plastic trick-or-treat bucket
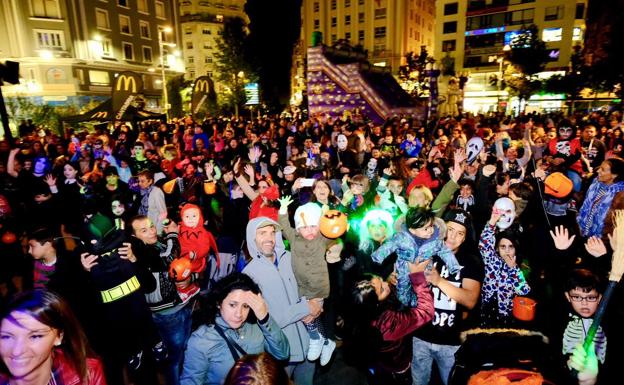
(524, 308)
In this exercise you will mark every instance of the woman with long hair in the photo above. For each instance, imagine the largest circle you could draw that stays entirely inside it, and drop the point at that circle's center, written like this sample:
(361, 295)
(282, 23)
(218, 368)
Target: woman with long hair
(381, 328)
(230, 331)
(42, 343)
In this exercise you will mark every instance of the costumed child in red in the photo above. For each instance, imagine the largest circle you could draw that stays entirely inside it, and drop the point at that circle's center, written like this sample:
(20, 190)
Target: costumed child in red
(565, 151)
(196, 244)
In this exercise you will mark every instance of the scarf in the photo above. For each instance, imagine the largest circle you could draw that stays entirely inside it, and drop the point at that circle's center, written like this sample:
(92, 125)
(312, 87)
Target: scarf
(145, 193)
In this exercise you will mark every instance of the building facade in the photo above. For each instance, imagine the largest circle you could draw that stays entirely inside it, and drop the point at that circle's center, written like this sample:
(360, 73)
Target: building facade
(471, 36)
(71, 50)
(388, 29)
(201, 23)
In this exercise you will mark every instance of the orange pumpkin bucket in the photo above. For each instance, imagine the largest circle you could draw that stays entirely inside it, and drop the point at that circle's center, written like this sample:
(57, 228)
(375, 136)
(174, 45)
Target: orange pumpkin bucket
(524, 308)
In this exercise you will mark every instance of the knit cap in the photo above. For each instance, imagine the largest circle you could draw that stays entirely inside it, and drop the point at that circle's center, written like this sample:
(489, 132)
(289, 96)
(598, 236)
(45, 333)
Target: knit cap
(307, 215)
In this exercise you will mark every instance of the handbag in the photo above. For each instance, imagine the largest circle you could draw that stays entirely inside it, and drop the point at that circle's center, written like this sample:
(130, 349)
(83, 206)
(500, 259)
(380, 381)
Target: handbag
(235, 349)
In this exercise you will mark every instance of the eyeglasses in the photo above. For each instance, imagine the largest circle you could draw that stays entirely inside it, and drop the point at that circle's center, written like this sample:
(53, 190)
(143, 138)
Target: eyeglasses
(580, 298)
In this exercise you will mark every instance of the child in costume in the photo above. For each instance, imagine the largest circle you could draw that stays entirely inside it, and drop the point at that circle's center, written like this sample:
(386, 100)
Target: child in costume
(196, 243)
(584, 293)
(308, 248)
(419, 240)
(411, 146)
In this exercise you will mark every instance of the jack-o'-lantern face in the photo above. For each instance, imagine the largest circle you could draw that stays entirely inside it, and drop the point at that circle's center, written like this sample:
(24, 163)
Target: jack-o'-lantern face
(333, 224)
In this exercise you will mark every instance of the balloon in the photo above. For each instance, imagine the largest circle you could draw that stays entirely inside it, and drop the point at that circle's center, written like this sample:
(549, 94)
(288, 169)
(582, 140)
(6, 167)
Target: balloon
(473, 148)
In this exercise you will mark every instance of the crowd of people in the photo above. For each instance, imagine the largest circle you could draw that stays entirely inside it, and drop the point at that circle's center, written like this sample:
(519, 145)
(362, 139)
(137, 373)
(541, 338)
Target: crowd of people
(217, 251)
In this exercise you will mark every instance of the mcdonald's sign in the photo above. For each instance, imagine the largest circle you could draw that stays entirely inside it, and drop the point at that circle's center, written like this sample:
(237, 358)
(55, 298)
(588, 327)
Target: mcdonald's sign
(203, 90)
(126, 83)
(125, 89)
(100, 115)
(203, 86)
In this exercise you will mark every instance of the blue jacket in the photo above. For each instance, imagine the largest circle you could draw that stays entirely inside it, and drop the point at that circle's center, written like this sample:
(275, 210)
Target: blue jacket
(279, 289)
(591, 218)
(208, 359)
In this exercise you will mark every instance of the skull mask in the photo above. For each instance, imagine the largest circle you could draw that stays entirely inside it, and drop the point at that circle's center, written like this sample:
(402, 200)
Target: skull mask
(507, 209)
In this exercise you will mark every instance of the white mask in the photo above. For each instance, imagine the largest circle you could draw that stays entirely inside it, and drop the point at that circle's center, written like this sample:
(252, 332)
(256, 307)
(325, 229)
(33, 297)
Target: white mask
(372, 165)
(508, 212)
(473, 148)
(342, 142)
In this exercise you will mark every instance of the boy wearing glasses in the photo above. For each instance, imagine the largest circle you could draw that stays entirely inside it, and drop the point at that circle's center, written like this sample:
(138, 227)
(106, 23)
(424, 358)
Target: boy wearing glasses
(583, 292)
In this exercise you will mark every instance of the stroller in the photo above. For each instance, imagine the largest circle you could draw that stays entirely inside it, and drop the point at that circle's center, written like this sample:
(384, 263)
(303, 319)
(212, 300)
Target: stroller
(506, 356)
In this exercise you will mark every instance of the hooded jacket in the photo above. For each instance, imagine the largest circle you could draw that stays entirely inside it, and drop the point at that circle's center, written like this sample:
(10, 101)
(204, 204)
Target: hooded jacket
(279, 288)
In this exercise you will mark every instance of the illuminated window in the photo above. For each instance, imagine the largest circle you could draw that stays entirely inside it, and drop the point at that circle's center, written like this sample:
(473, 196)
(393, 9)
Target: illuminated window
(50, 39)
(45, 8)
(448, 45)
(577, 34)
(144, 29)
(124, 24)
(107, 47)
(99, 78)
(160, 9)
(101, 19)
(552, 34)
(142, 6)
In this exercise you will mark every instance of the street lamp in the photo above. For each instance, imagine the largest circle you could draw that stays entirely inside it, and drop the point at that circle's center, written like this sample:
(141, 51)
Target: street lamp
(500, 60)
(161, 43)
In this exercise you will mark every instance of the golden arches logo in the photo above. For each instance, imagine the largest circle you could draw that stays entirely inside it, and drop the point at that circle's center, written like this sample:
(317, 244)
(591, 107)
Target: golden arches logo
(126, 83)
(202, 86)
(101, 114)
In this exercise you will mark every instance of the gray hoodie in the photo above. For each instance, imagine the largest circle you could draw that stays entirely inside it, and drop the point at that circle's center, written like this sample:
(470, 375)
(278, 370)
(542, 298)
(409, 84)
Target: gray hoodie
(279, 289)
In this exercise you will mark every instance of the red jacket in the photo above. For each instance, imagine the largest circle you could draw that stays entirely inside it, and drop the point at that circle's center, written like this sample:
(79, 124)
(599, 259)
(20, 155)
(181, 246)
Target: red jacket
(65, 374)
(396, 327)
(423, 178)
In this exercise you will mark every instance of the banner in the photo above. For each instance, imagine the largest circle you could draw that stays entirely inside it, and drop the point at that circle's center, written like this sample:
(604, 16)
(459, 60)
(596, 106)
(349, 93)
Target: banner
(203, 90)
(126, 87)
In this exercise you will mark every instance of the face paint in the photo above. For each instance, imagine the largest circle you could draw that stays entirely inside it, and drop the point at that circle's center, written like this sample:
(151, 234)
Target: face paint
(565, 132)
(507, 209)
(342, 142)
(118, 208)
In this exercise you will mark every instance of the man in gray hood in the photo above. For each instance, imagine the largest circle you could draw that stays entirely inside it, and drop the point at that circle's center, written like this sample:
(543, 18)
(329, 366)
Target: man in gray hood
(271, 268)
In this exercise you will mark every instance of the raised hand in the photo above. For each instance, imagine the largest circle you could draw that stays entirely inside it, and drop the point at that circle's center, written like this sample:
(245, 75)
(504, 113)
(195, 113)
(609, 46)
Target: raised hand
(50, 180)
(456, 172)
(256, 303)
(561, 238)
(460, 155)
(489, 170)
(285, 201)
(595, 247)
(249, 170)
(494, 217)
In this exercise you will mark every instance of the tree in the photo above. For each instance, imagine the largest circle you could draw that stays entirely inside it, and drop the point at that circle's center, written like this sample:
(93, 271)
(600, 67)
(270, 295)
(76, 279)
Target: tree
(528, 52)
(234, 61)
(528, 56)
(412, 75)
(43, 115)
(175, 86)
(572, 83)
